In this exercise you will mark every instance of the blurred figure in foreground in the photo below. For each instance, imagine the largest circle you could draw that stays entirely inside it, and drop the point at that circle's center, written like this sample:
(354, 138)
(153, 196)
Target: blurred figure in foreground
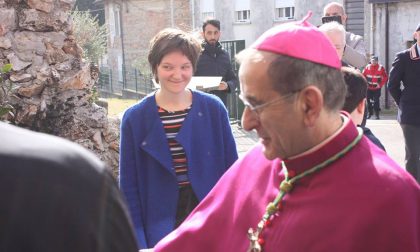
(57, 196)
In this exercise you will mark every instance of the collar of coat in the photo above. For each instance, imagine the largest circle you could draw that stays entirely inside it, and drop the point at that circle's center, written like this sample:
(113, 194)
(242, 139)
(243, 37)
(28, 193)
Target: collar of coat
(216, 49)
(371, 67)
(414, 54)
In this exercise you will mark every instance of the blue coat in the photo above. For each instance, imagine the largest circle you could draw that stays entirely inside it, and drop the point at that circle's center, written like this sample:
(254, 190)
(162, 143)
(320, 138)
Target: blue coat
(147, 177)
(406, 69)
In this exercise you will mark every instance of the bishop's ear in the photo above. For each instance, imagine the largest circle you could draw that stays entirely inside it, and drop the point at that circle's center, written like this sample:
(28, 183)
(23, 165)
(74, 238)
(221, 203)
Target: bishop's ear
(312, 101)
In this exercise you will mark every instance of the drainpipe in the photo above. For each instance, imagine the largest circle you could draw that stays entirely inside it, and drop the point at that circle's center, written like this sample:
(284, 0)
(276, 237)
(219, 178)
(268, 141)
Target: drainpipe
(192, 15)
(372, 29)
(122, 45)
(172, 13)
(386, 52)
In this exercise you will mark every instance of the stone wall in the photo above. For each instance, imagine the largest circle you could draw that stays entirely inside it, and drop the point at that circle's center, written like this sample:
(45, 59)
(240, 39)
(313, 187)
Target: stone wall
(52, 85)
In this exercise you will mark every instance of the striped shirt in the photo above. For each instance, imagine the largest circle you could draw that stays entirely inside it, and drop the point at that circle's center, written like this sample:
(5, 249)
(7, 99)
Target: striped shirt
(172, 123)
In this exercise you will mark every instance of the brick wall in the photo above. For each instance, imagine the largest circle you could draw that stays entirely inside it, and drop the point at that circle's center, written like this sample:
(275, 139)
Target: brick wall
(141, 20)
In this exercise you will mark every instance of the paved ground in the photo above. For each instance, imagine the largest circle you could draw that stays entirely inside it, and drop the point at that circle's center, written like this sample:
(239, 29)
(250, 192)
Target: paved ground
(244, 140)
(387, 130)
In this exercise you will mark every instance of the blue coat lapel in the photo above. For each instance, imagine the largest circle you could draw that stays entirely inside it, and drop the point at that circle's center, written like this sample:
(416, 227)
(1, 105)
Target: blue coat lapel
(153, 139)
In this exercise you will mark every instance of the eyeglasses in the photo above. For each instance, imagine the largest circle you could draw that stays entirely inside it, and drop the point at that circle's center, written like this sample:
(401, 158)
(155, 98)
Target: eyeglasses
(257, 109)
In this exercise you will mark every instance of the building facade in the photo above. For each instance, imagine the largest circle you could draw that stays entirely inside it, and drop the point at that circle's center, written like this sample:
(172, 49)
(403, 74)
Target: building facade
(372, 19)
(246, 19)
(131, 25)
(386, 25)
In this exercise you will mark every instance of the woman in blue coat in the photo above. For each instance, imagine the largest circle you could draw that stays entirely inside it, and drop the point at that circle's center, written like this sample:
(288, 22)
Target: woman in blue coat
(175, 143)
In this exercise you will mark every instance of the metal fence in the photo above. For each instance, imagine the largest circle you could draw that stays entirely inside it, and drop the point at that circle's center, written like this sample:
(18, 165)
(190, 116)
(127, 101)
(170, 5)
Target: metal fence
(138, 85)
(234, 105)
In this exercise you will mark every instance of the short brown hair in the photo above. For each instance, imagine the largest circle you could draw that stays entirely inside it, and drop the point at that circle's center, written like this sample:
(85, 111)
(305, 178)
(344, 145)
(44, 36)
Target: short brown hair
(170, 40)
(214, 22)
(356, 88)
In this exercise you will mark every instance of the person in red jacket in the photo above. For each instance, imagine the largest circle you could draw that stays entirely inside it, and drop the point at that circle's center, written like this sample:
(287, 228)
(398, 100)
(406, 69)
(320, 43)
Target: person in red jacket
(376, 76)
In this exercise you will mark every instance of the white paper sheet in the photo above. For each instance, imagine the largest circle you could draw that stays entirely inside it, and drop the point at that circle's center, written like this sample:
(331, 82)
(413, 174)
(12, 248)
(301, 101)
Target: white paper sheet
(204, 82)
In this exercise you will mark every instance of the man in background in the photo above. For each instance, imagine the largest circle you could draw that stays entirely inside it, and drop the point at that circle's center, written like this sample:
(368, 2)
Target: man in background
(57, 196)
(406, 69)
(376, 77)
(215, 61)
(355, 50)
(336, 33)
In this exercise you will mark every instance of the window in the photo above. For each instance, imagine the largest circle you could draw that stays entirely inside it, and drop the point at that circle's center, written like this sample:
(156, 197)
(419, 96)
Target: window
(284, 9)
(207, 9)
(242, 11)
(285, 13)
(243, 16)
(117, 21)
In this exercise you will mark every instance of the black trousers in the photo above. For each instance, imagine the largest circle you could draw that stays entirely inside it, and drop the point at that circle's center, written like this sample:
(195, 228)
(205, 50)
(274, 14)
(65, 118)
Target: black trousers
(373, 101)
(365, 115)
(187, 201)
(412, 149)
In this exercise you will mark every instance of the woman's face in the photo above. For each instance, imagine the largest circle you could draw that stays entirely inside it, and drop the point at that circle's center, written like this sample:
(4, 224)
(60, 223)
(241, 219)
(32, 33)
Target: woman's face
(174, 72)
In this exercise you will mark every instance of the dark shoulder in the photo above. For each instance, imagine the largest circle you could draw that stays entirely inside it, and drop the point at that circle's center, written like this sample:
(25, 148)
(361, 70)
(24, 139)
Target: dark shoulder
(369, 134)
(224, 53)
(405, 54)
(204, 53)
(22, 144)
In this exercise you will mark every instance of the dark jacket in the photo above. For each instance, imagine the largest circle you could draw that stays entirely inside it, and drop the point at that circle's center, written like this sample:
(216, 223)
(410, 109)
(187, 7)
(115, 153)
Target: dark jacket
(214, 61)
(147, 177)
(406, 69)
(368, 133)
(56, 196)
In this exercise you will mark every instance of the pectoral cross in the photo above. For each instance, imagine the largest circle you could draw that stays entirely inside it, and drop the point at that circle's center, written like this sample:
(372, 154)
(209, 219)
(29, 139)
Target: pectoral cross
(253, 236)
(254, 246)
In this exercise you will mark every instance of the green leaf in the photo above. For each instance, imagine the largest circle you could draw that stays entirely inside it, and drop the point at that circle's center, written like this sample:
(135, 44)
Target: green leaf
(6, 68)
(5, 109)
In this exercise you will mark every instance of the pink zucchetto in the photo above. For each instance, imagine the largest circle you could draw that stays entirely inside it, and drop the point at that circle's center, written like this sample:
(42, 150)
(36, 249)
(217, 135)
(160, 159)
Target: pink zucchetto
(300, 40)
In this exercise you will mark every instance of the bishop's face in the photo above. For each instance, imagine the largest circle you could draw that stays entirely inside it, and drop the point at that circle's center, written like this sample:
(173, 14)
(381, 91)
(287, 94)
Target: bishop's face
(273, 116)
